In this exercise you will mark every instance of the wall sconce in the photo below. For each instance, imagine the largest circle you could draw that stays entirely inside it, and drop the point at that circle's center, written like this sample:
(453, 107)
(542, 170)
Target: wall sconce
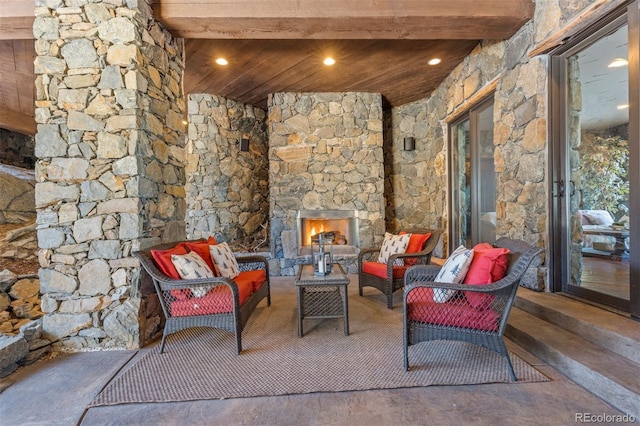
(244, 144)
(409, 144)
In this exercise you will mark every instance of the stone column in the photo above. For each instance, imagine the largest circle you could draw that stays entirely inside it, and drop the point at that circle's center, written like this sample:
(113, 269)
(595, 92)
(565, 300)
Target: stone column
(110, 172)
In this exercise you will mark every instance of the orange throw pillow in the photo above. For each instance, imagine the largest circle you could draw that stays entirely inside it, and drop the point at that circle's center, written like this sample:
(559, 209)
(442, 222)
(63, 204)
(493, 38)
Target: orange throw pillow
(163, 260)
(202, 249)
(416, 244)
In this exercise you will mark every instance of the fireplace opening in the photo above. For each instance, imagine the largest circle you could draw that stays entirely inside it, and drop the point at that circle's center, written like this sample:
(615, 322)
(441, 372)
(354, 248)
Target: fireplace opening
(342, 225)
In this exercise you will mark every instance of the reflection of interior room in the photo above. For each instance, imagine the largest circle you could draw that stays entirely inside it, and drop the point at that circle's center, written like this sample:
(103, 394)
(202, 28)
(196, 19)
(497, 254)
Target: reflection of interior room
(599, 178)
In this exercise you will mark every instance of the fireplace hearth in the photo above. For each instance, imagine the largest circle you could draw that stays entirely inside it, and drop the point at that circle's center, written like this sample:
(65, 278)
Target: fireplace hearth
(343, 225)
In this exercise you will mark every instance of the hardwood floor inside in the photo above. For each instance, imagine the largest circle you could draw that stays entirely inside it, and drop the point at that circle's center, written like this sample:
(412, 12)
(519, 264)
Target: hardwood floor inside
(606, 276)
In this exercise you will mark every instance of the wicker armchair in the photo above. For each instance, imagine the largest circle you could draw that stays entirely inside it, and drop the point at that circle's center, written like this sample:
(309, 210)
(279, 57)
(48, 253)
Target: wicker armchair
(482, 322)
(220, 307)
(393, 280)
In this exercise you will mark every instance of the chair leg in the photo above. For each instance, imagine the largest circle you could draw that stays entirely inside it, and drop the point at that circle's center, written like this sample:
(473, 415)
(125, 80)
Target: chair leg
(505, 353)
(406, 354)
(164, 337)
(511, 372)
(390, 300)
(238, 343)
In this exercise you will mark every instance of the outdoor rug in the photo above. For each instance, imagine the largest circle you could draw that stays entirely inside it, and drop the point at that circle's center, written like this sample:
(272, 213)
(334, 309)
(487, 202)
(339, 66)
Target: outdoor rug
(201, 363)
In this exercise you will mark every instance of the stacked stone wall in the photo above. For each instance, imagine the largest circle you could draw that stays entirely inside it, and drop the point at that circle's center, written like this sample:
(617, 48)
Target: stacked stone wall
(325, 152)
(520, 135)
(110, 170)
(227, 189)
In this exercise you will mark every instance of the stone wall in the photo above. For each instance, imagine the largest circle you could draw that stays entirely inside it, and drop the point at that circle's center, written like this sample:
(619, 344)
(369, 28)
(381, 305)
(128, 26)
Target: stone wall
(17, 149)
(415, 181)
(17, 195)
(110, 171)
(21, 341)
(227, 189)
(520, 135)
(325, 152)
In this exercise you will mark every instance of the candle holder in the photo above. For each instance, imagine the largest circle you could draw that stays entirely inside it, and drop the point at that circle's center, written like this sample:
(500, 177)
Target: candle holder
(322, 259)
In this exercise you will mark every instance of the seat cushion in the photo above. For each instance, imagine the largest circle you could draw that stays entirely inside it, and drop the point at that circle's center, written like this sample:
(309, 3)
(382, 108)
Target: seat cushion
(454, 314)
(489, 265)
(216, 301)
(380, 270)
(257, 278)
(163, 260)
(420, 294)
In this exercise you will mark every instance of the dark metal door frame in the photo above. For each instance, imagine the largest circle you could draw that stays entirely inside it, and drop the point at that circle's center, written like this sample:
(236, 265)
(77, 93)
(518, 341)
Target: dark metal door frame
(559, 172)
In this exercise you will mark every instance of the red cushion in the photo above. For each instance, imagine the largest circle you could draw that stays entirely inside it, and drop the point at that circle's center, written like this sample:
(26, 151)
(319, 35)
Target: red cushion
(245, 286)
(489, 265)
(416, 244)
(163, 260)
(216, 301)
(454, 314)
(420, 294)
(380, 270)
(212, 241)
(202, 249)
(181, 294)
(257, 278)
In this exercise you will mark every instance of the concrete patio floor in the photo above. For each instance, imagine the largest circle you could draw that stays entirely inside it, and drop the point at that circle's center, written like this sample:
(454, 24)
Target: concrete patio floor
(56, 391)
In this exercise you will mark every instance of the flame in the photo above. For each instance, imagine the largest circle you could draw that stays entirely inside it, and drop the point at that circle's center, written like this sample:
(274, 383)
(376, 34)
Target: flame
(313, 232)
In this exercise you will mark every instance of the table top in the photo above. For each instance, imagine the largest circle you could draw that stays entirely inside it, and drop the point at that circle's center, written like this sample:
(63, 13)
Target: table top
(307, 277)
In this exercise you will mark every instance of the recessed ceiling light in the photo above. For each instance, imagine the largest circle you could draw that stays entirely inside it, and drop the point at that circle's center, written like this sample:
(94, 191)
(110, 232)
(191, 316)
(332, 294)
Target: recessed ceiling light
(624, 106)
(329, 61)
(434, 61)
(222, 61)
(618, 62)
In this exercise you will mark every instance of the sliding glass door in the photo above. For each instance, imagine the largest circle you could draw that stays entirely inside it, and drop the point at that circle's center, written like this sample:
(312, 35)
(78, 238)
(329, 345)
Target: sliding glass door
(473, 182)
(596, 183)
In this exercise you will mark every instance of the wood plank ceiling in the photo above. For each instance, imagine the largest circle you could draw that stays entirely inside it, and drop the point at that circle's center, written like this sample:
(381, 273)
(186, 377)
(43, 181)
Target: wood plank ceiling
(279, 45)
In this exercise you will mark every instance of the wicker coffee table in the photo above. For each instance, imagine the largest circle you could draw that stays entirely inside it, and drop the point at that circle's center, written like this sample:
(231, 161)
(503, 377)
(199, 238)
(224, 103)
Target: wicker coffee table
(321, 297)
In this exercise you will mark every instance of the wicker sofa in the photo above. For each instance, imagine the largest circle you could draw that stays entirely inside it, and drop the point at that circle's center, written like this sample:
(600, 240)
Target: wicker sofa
(227, 303)
(390, 277)
(476, 313)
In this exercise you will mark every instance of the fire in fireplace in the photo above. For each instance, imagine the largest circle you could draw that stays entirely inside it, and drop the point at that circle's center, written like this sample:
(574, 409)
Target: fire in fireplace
(343, 224)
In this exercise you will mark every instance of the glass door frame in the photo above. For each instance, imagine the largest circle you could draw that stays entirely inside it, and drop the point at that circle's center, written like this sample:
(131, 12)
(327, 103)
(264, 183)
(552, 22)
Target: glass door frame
(474, 195)
(559, 171)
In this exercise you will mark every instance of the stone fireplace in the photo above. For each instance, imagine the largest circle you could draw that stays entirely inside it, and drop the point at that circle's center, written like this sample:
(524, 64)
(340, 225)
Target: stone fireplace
(343, 224)
(325, 155)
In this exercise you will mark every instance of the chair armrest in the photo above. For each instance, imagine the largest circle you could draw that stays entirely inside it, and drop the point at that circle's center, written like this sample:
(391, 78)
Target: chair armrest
(424, 254)
(252, 263)
(424, 276)
(366, 254)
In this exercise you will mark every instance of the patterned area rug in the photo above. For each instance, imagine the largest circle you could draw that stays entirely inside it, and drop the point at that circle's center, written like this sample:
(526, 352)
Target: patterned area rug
(202, 364)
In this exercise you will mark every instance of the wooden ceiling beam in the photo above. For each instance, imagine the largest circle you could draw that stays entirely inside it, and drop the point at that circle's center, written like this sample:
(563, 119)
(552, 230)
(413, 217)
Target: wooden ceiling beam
(16, 19)
(344, 19)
